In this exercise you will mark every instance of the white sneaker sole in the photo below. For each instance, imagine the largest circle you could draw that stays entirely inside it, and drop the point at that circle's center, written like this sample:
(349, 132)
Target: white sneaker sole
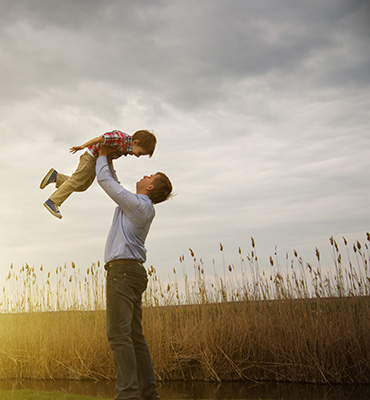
(52, 212)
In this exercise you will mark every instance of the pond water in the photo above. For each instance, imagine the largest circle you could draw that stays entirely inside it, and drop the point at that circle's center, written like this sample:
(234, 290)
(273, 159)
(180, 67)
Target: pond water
(206, 390)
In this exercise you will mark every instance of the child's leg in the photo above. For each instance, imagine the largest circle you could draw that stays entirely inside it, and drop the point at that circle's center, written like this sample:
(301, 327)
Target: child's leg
(61, 178)
(80, 180)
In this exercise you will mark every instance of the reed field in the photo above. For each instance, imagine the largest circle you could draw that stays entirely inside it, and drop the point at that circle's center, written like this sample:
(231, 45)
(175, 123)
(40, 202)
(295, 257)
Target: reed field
(294, 322)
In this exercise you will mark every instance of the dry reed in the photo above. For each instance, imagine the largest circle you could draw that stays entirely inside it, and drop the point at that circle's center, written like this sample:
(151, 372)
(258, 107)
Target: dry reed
(307, 324)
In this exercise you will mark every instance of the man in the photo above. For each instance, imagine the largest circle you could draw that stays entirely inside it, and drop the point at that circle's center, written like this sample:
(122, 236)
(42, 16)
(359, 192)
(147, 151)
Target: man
(125, 254)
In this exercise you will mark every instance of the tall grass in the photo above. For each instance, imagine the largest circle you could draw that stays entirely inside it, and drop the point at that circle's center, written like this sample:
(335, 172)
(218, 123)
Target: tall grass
(295, 322)
(29, 290)
(349, 276)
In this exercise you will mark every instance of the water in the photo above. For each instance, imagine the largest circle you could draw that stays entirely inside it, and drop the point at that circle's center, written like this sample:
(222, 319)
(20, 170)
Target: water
(206, 390)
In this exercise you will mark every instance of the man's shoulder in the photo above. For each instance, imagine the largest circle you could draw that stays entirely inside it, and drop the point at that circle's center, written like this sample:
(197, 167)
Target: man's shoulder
(145, 200)
(144, 208)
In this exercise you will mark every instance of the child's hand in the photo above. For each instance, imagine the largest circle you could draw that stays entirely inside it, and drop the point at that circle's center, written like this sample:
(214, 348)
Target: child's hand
(74, 149)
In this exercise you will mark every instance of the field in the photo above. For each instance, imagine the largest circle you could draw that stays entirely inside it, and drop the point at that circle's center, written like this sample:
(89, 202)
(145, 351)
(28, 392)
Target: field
(301, 325)
(33, 395)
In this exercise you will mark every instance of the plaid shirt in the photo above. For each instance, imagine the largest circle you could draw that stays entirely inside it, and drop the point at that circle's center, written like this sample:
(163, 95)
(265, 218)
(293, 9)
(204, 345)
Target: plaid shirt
(117, 139)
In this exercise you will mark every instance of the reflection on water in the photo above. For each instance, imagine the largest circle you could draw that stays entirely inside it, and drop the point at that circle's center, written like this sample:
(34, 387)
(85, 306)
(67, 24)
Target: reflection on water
(206, 390)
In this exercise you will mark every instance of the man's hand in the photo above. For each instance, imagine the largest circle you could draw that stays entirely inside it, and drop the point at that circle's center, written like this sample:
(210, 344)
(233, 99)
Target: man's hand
(105, 150)
(74, 149)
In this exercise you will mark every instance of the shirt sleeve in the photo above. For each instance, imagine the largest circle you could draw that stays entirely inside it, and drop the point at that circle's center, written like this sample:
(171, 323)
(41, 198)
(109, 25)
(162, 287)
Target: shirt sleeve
(110, 139)
(127, 201)
(114, 138)
(113, 172)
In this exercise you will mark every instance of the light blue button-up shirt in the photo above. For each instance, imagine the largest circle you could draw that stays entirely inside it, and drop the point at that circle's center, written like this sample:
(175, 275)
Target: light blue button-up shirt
(132, 218)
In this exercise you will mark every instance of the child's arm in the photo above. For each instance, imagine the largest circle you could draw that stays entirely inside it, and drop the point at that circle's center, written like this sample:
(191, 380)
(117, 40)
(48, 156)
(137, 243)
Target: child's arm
(97, 140)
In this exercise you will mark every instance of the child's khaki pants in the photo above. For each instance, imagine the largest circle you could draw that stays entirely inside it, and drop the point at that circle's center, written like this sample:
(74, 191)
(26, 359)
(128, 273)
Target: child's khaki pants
(80, 180)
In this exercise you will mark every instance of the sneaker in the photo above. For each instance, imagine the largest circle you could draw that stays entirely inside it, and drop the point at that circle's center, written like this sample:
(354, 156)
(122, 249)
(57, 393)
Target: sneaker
(50, 177)
(52, 208)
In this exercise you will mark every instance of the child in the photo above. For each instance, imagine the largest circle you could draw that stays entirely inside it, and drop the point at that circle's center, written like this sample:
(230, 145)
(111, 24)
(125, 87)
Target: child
(142, 143)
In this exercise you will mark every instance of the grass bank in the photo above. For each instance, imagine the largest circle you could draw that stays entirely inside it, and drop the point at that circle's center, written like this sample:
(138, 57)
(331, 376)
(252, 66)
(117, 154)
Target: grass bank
(36, 395)
(300, 325)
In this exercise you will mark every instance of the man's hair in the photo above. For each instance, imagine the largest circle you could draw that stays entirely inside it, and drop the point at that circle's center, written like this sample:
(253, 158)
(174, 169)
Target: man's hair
(162, 188)
(146, 140)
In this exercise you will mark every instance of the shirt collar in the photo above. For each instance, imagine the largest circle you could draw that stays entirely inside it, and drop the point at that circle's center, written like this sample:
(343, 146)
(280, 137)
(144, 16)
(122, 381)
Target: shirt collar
(146, 198)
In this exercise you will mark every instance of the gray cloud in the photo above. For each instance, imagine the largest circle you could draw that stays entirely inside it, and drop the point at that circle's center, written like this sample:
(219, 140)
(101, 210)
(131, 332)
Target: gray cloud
(260, 109)
(187, 53)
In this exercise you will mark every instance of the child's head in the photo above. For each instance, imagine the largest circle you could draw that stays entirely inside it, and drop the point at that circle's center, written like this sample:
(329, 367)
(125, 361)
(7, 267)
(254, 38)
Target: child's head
(143, 143)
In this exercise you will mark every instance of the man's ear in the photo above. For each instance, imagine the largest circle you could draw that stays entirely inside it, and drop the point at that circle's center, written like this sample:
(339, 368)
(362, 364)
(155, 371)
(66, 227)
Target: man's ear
(150, 188)
(136, 142)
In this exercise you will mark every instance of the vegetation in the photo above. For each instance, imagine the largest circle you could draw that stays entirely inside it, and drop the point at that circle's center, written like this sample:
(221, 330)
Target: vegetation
(35, 395)
(306, 324)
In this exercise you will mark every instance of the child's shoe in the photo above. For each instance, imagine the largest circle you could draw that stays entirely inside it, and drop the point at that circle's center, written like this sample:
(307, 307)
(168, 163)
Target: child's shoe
(50, 177)
(52, 208)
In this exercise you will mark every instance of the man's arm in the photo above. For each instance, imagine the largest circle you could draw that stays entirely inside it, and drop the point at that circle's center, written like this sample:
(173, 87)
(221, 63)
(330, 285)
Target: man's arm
(126, 200)
(97, 140)
(112, 170)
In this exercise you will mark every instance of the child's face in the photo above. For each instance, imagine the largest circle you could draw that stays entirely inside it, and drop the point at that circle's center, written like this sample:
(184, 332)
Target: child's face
(137, 150)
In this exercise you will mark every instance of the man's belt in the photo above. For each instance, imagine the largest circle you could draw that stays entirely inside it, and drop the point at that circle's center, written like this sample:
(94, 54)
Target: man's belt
(122, 261)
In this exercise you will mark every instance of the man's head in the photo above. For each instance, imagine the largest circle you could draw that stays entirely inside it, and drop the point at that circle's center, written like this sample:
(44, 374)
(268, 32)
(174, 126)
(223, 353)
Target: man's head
(143, 143)
(157, 186)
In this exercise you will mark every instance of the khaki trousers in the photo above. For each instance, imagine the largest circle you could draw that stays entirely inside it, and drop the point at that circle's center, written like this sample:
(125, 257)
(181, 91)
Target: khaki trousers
(80, 180)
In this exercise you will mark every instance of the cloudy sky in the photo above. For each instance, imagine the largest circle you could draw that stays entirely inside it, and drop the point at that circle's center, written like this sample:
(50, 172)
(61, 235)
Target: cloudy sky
(260, 108)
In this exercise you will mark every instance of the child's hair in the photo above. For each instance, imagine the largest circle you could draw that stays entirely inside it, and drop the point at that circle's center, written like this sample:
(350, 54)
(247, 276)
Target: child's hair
(162, 188)
(146, 140)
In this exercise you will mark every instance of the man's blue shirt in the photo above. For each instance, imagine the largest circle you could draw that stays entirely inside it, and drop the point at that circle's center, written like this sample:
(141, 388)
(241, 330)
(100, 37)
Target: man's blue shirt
(132, 218)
